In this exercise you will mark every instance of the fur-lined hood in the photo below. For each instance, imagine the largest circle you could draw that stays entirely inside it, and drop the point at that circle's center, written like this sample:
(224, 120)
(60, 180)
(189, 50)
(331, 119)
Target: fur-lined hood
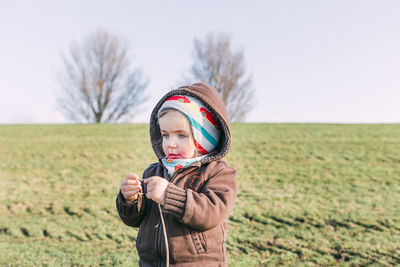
(210, 97)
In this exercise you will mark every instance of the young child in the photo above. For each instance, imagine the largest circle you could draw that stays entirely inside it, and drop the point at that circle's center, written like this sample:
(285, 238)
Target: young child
(183, 202)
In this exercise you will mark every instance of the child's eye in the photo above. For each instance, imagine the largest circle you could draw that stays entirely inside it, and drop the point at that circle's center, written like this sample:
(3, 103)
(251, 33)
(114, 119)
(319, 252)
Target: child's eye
(182, 136)
(165, 135)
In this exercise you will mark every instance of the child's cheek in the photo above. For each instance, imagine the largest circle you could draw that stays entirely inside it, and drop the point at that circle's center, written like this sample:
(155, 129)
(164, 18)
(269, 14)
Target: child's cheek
(164, 147)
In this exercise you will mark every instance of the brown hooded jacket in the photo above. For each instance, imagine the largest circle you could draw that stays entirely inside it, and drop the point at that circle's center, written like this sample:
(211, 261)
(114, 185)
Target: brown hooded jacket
(198, 200)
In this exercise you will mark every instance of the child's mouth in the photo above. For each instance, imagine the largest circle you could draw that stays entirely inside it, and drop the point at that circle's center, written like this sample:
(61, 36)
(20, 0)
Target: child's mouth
(174, 156)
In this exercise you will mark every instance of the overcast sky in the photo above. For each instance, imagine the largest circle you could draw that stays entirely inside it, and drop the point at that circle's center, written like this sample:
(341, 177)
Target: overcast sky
(311, 61)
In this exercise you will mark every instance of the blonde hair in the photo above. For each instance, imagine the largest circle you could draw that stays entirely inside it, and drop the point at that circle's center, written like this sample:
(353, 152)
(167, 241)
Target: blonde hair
(164, 112)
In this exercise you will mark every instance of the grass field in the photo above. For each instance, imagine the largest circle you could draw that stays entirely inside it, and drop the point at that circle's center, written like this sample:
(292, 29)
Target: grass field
(310, 194)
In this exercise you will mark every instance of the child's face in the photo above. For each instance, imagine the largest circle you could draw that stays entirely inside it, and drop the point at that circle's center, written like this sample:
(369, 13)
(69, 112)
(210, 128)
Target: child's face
(177, 136)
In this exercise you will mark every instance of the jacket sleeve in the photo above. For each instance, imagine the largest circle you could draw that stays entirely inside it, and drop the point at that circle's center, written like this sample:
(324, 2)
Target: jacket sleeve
(207, 209)
(130, 212)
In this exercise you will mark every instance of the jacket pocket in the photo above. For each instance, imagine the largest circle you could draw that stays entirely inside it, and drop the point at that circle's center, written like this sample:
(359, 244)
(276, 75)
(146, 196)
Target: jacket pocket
(199, 241)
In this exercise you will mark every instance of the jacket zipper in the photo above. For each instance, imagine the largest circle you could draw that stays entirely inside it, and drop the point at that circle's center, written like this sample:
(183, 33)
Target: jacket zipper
(160, 249)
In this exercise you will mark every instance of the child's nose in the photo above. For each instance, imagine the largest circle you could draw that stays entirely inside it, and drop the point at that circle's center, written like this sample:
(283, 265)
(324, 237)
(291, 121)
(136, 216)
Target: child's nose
(172, 143)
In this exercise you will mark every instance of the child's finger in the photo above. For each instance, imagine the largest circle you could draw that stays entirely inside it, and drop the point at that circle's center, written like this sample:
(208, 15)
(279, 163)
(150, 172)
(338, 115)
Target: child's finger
(149, 187)
(131, 187)
(149, 195)
(132, 176)
(131, 193)
(151, 184)
(132, 182)
(151, 179)
(132, 197)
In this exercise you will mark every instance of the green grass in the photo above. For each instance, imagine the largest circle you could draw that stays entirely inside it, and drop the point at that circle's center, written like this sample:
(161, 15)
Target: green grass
(310, 194)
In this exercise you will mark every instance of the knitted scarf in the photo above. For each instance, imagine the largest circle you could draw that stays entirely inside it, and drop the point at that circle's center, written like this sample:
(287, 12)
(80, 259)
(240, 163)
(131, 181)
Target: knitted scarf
(173, 165)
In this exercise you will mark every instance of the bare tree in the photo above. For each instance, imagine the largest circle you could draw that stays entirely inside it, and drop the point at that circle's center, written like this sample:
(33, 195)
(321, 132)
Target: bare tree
(98, 82)
(216, 64)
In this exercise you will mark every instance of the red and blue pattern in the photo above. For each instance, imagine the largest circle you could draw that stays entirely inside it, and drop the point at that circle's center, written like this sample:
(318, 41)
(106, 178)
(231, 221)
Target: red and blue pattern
(204, 125)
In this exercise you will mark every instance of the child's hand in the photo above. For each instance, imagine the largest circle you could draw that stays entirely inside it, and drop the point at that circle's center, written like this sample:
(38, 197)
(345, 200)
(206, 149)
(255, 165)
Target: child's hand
(156, 187)
(130, 187)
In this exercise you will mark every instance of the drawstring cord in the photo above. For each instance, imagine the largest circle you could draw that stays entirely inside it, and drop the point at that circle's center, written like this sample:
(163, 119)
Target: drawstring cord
(165, 233)
(163, 225)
